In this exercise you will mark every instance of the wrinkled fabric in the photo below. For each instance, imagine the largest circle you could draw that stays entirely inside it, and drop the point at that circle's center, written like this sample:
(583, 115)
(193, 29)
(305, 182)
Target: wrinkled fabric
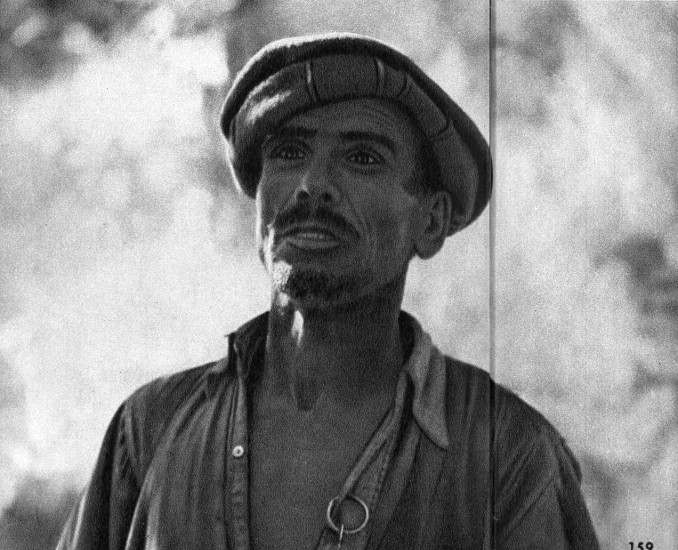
(472, 467)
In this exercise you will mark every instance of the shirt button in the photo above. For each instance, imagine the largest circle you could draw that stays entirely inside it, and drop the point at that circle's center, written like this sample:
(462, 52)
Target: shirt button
(238, 451)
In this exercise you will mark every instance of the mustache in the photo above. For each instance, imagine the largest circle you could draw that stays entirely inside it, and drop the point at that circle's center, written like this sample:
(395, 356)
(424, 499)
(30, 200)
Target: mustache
(301, 213)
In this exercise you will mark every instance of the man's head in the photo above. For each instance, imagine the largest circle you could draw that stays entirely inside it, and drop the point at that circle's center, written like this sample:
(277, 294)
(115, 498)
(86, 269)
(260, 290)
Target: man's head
(341, 205)
(357, 160)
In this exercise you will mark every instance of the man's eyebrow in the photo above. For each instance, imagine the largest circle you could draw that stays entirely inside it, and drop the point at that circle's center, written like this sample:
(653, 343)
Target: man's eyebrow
(293, 132)
(363, 135)
(303, 132)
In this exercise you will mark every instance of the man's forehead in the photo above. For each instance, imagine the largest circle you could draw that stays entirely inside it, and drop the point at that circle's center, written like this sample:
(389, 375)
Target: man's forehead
(359, 115)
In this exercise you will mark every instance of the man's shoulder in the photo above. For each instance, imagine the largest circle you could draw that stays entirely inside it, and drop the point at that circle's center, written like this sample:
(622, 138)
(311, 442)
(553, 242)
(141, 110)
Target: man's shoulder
(515, 427)
(528, 456)
(166, 393)
(152, 407)
(472, 387)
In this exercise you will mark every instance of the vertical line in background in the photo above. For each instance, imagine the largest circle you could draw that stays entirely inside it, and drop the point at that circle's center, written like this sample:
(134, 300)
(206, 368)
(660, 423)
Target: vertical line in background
(490, 533)
(492, 205)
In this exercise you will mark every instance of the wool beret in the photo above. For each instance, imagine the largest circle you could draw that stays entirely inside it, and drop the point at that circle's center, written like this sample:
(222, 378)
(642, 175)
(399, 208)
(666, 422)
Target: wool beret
(294, 75)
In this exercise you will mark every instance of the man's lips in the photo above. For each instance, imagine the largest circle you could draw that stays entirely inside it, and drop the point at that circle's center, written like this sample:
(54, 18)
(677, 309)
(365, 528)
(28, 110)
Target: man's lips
(311, 237)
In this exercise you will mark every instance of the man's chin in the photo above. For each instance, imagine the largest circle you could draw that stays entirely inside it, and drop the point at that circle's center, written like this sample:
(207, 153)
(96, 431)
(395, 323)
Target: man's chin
(312, 288)
(312, 291)
(314, 285)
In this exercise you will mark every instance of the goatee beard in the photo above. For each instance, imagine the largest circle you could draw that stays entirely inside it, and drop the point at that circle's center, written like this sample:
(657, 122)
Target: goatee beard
(314, 290)
(310, 286)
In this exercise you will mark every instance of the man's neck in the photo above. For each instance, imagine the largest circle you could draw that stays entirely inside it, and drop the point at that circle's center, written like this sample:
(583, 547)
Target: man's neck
(348, 356)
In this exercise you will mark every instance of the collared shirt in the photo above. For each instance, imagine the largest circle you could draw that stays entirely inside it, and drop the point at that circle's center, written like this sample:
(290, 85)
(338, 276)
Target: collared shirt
(466, 465)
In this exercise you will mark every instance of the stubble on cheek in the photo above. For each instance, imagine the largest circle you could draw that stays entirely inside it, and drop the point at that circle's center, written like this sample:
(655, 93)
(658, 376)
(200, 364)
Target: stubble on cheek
(265, 242)
(263, 251)
(280, 274)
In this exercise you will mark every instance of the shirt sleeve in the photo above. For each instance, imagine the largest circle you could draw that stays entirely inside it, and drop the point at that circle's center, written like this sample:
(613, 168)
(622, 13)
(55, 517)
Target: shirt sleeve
(541, 527)
(103, 515)
(539, 503)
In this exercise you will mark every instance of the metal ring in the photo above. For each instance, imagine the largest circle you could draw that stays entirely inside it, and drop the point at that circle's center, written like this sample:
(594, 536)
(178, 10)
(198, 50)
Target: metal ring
(333, 525)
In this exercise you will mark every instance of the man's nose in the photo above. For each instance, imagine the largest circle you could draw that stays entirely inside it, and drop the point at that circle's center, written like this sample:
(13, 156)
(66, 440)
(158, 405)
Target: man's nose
(319, 184)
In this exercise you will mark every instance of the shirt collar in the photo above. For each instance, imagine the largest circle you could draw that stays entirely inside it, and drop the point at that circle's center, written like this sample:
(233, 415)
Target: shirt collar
(425, 368)
(428, 373)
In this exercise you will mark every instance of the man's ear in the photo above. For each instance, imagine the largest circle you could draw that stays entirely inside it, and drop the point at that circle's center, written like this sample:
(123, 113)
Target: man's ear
(435, 224)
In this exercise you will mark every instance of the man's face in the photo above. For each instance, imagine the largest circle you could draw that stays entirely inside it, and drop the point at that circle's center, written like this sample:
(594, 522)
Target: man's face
(336, 214)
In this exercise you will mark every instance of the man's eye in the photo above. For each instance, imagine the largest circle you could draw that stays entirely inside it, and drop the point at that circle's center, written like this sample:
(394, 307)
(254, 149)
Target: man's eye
(365, 158)
(288, 152)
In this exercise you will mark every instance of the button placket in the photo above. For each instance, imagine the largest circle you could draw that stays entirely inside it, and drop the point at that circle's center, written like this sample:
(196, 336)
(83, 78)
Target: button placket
(239, 472)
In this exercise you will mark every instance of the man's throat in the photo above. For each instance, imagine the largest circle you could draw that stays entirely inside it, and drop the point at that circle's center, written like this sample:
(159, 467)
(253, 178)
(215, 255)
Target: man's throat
(306, 391)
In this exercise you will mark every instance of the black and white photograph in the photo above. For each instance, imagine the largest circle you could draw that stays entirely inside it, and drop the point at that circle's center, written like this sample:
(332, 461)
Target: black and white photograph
(313, 274)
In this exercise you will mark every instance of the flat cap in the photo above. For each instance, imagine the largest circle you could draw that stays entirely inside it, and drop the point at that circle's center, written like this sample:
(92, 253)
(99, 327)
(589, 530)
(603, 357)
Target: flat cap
(294, 75)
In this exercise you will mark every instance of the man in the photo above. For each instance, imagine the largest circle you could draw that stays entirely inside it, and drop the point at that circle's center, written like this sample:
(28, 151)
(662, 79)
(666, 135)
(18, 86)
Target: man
(334, 421)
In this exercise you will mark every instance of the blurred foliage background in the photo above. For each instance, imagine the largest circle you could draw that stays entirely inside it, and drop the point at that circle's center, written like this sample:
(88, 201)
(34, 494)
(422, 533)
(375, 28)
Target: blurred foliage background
(125, 252)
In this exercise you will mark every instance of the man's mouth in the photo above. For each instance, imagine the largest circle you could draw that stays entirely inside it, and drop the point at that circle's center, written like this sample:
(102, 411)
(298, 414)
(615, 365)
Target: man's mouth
(311, 237)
